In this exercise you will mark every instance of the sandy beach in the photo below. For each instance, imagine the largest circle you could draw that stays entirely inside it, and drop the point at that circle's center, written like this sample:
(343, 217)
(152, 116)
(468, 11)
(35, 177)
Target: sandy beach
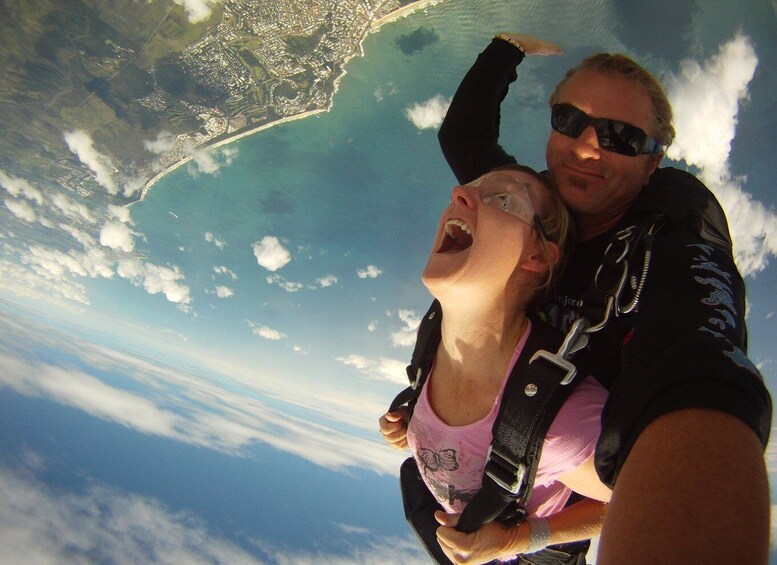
(375, 25)
(225, 141)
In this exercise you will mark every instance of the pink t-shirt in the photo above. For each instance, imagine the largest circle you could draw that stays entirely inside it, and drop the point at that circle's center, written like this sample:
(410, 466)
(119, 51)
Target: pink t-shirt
(451, 458)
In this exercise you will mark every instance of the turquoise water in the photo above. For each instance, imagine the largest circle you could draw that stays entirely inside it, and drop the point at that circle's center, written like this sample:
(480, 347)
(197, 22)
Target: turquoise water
(357, 186)
(361, 185)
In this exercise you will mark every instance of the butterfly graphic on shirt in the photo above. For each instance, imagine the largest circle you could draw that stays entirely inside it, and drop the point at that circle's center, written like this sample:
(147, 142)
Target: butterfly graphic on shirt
(443, 460)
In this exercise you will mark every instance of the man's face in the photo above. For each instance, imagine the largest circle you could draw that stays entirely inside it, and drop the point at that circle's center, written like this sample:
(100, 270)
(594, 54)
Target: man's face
(599, 185)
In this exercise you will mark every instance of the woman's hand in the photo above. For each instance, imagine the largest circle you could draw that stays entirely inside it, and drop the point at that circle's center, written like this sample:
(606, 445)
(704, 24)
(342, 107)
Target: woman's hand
(393, 427)
(534, 45)
(491, 541)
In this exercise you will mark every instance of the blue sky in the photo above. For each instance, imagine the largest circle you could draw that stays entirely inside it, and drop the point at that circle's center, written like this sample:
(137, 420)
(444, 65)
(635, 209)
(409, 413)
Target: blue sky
(259, 305)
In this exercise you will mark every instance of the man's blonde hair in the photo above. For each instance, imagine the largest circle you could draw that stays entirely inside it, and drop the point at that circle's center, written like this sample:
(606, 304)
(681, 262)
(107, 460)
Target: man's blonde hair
(624, 67)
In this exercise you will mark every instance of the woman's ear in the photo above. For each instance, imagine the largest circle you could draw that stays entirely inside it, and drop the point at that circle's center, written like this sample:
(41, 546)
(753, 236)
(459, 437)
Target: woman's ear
(541, 258)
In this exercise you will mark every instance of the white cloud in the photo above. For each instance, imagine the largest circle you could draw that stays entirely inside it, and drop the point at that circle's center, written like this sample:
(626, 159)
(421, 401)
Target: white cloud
(378, 549)
(222, 270)
(224, 291)
(370, 272)
(133, 185)
(156, 279)
(164, 142)
(210, 161)
(20, 187)
(218, 404)
(117, 235)
(706, 98)
(79, 235)
(82, 146)
(211, 238)
(270, 253)
(267, 332)
(327, 280)
(390, 90)
(406, 336)
(25, 280)
(288, 286)
(121, 213)
(53, 264)
(39, 526)
(429, 114)
(381, 369)
(372, 326)
(197, 10)
(21, 209)
(72, 209)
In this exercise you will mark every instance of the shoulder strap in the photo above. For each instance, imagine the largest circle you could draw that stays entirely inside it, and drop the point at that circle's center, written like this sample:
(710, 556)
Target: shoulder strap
(538, 386)
(429, 335)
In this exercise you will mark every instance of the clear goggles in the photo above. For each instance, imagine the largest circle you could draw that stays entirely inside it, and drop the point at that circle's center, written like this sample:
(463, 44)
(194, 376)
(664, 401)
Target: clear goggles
(511, 195)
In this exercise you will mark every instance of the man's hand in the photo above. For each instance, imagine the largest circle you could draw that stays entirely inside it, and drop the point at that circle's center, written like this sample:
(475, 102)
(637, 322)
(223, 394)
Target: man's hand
(491, 541)
(693, 489)
(393, 427)
(534, 45)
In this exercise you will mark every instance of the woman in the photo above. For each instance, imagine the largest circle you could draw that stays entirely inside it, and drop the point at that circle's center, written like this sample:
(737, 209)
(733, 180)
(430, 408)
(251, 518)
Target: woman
(494, 255)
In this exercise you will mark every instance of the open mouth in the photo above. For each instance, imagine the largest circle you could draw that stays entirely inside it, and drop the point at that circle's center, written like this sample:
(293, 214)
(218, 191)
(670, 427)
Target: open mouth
(458, 237)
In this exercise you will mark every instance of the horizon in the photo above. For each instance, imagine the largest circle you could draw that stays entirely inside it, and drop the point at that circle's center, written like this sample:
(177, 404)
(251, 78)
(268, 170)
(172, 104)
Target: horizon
(194, 375)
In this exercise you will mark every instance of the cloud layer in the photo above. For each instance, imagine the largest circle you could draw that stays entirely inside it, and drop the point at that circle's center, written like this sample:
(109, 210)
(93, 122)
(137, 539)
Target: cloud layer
(706, 99)
(221, 406)
(82, 146)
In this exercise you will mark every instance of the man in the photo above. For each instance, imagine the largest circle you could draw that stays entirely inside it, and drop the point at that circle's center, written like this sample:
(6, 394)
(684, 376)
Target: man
(688, 415)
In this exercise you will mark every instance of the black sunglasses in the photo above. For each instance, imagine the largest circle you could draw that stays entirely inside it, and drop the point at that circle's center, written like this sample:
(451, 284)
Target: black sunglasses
(613, 135)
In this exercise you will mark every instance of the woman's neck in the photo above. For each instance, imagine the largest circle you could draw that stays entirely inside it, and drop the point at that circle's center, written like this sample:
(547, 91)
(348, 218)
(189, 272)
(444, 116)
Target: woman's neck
(479, 339)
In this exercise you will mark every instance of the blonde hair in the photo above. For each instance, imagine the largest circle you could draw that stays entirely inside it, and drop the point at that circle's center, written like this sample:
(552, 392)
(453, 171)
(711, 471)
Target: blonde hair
(557, 227)
(624, 67)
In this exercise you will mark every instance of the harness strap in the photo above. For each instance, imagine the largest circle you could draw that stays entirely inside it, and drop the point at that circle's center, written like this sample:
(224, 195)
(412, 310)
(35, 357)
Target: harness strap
(429, 335)
(534, 393)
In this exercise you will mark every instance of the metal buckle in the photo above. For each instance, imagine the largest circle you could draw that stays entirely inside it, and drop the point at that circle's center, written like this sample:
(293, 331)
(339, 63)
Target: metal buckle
(501, 470)
(576, 338)
(557, 360)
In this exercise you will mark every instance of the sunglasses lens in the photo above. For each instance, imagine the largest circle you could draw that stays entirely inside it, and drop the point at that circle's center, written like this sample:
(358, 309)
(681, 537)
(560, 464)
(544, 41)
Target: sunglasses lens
(613, 135)
(568, 120)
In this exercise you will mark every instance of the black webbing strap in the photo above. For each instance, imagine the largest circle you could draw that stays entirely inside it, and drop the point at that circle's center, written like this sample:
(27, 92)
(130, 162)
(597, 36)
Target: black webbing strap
(537, 387)
(534, 393)
(429, 335)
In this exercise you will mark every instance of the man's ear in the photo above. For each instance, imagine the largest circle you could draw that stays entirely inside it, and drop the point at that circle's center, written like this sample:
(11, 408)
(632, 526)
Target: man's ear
(539, 260)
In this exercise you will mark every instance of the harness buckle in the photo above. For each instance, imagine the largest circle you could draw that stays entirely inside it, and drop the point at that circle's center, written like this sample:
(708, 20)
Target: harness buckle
(557, 360)
(505, 472)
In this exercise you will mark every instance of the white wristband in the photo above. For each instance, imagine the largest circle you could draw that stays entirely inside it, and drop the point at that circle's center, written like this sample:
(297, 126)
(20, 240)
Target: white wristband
(539, 538)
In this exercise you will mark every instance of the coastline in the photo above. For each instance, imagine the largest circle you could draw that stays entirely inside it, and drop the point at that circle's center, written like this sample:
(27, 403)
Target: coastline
(373, 27)
(227, 140)
(402, 12)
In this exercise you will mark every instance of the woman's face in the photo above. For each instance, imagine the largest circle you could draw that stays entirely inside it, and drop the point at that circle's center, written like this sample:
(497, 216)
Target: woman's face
(485, 233)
